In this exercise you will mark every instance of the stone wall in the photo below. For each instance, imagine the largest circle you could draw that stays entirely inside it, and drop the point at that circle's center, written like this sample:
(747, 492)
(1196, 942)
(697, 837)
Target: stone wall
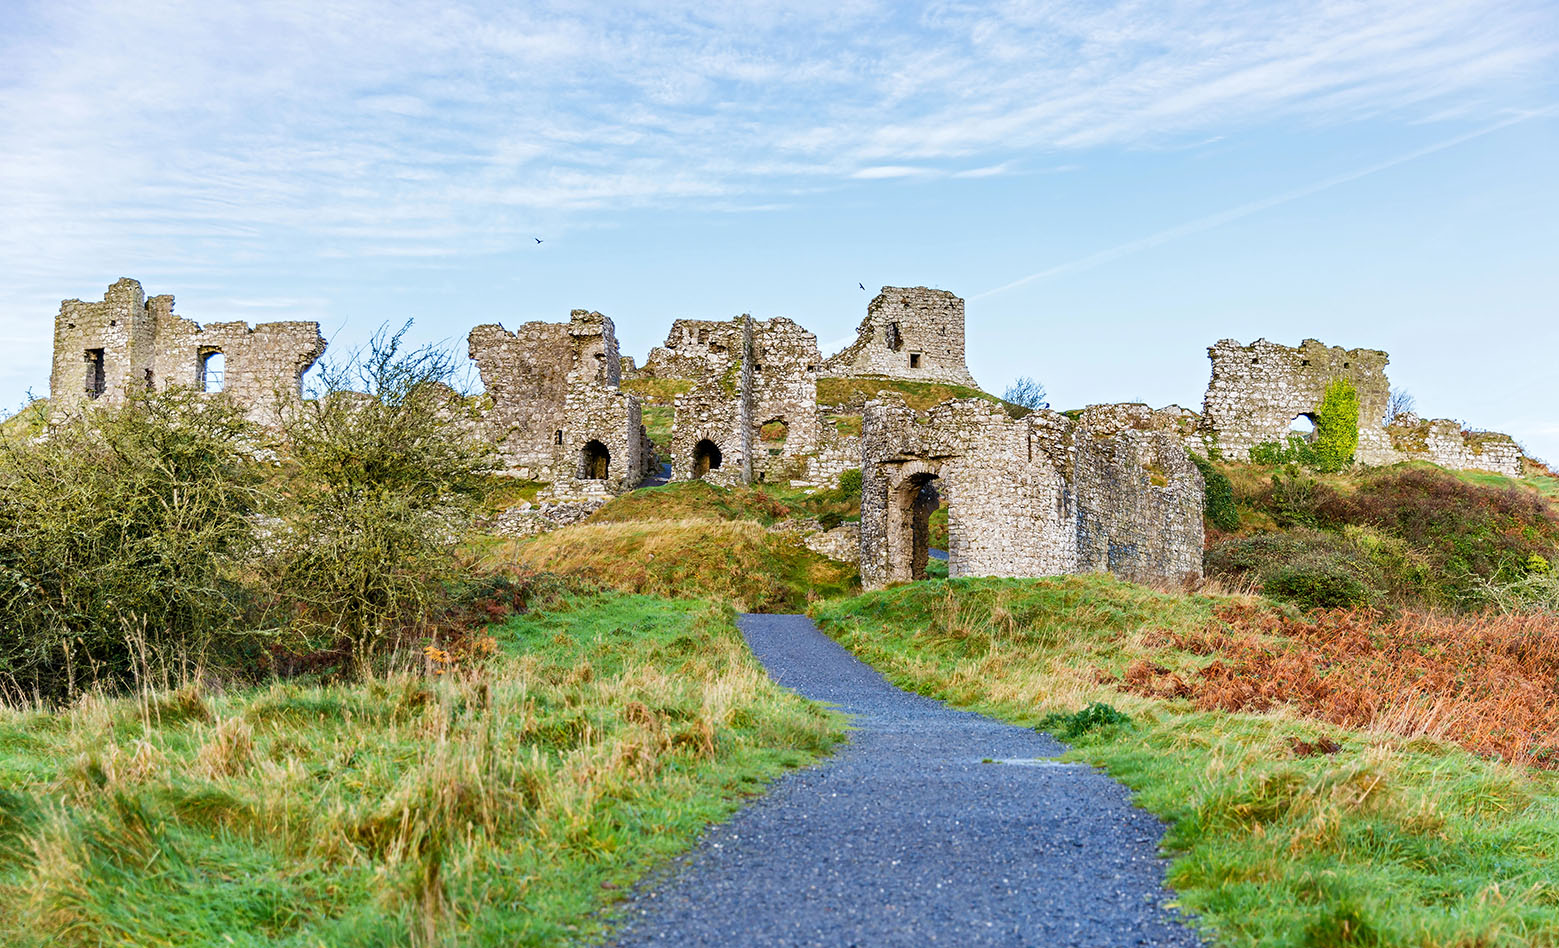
(1258, 391)
(908, 333)
(754, 398)
(555, 410)
(1039, 496)
(1446, 443)
(104, 350)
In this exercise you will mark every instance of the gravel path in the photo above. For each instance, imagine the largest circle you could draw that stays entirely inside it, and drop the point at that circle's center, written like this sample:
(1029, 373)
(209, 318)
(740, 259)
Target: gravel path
(905, 837)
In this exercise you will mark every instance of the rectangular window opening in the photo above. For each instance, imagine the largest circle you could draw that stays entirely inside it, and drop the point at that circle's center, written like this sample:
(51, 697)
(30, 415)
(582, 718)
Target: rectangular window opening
(97, 382)
(914, 360)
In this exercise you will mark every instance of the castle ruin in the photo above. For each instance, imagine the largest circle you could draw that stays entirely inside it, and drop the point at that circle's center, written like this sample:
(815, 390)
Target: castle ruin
(105, 350)
(911, 333)
(1107, 488)
(1258, 392)
(556, 411)
(1038, 496)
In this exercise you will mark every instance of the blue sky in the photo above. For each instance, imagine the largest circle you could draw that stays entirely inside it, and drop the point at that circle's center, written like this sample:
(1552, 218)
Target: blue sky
(1113, 187)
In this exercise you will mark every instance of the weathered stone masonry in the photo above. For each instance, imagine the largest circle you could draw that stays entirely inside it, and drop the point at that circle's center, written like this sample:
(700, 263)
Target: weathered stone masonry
(556, 412)
(105, 350)
(1039, 496)
(1258, 391)
(909, 333)
(752, 411)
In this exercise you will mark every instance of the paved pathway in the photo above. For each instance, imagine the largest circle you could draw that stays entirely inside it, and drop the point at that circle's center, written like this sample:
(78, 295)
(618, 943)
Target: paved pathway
(905, 837)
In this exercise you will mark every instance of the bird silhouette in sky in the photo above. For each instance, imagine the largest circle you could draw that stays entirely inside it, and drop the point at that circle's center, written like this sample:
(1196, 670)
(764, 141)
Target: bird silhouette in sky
(536, 239)
(861, 285)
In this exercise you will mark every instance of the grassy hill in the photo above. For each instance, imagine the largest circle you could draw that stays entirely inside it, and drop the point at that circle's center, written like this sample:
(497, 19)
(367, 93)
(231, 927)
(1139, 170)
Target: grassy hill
(1406, 536)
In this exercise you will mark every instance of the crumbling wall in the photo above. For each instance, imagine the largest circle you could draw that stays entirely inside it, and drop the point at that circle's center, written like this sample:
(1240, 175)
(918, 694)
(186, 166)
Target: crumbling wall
(908, 333)
(1258, 391)
(554, 403)
(1039, 496)
(104, 350)
(525, 374)
(1446, 443)
(754, 397)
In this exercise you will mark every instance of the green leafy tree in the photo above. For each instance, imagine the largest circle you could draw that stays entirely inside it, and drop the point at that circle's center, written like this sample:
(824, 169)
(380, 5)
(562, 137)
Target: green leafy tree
(385, 481)
(1336, 427)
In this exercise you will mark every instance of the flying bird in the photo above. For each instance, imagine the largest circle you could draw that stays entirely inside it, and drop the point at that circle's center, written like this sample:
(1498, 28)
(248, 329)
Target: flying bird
(861, 285)
(536, 239)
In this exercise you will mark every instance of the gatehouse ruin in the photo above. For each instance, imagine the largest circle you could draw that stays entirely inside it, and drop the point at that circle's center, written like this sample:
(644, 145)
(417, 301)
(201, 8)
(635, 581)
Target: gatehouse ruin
(740, 401)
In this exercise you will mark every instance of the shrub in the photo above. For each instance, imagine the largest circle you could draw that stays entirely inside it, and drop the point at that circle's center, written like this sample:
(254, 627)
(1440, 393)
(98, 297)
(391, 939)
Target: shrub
(1336, 426)
(1024, 392)
(126, 538)
(1096, 716)
(1296, 498)
(850, 483)
(1218, 495)
(1307, 567)
(1316, 585)
(384, 486)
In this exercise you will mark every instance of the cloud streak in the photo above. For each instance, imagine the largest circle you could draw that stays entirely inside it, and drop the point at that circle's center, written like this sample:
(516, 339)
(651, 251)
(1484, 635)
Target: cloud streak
(1233, 214)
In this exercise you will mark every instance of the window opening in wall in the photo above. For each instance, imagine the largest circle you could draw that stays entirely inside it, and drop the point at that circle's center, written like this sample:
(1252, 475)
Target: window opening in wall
(1303, 425)
(150, 383)
(558, 437)
(706, 458)
(594, 461)
(914, 360)
(213, 366)
(97, 382)
(895, 339)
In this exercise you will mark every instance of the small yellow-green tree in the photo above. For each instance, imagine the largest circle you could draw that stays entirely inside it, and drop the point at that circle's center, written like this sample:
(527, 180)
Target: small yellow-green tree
(1337, 426)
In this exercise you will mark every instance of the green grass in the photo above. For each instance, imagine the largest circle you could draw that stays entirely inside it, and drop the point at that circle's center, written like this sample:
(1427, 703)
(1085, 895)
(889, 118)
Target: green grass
(1390, 841)
(693, 500)
(739, 562)
(497, 801)
(854, 392)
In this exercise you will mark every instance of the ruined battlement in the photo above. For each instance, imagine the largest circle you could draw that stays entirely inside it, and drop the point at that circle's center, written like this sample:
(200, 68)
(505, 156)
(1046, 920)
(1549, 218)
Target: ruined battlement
(128, 342)
(912, 333)
(1038, 496)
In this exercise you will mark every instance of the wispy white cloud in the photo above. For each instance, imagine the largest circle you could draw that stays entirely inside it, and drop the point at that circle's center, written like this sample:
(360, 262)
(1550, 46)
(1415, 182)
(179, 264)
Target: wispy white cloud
(208, 131)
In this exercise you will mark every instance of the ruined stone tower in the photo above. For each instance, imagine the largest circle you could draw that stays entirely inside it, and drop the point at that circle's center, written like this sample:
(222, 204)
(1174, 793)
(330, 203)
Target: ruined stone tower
(556, 413)
(909, 333)
(103, 351)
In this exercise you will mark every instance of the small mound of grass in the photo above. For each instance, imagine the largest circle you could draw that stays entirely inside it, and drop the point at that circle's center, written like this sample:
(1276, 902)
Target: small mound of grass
(692, 500)
(735, 561)
(854, 393)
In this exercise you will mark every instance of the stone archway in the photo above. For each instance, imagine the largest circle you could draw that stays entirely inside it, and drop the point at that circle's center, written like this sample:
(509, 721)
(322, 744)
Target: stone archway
(706, 458)
(912, 497)
(594, 461)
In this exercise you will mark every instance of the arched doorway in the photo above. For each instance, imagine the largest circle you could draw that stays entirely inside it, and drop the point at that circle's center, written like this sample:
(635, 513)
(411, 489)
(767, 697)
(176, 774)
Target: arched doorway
(594, 461)
(706, 458)
(910, 506)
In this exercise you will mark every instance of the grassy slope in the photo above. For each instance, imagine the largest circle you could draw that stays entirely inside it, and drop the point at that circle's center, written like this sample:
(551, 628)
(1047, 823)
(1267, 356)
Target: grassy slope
(695, 539)
(26, 422)
(1406, 536)
(1390, 841)
(499, 802)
